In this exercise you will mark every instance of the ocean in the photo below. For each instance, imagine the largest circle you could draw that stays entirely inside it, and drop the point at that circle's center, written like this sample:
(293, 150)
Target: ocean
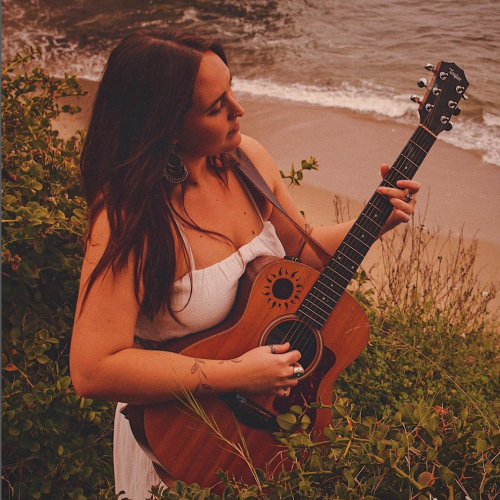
(362, 55)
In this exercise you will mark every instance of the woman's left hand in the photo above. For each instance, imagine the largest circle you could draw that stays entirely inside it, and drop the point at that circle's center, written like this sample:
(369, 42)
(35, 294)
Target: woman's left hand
(402, 199)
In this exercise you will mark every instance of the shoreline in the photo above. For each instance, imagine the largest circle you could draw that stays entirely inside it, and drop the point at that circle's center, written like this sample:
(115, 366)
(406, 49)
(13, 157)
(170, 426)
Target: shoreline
(459, 194)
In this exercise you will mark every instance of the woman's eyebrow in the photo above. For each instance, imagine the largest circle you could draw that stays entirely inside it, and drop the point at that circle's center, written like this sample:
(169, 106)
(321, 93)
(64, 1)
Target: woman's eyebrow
(220, 97)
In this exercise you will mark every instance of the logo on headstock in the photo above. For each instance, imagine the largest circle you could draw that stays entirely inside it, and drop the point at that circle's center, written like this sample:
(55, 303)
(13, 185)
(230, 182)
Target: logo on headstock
(455, 75)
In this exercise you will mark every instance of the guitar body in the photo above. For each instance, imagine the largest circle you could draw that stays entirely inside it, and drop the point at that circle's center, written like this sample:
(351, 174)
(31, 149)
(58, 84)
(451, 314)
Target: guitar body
(270, 292)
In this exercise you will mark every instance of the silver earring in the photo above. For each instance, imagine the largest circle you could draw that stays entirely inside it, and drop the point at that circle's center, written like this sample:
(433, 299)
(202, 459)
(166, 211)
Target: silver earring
(175, 171)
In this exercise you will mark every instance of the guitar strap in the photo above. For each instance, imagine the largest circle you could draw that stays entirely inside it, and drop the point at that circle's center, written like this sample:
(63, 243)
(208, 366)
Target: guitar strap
(249, 172)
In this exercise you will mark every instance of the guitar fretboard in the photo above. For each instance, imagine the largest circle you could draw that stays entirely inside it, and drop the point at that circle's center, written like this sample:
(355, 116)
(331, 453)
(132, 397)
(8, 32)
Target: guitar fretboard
(324, 295)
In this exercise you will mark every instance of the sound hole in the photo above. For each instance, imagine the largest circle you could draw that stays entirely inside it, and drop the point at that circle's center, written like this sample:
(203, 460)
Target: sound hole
(283, 289)
(300, 336)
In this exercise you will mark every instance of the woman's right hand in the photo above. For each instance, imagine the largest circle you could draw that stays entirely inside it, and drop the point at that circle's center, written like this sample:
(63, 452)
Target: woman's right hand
(265, 372)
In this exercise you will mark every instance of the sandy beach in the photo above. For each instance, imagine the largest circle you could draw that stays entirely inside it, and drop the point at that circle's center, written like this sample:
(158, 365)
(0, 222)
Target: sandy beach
(459, 191)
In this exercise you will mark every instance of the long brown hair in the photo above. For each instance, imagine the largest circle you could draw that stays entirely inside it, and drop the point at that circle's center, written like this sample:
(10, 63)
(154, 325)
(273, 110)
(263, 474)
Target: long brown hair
(146, 88)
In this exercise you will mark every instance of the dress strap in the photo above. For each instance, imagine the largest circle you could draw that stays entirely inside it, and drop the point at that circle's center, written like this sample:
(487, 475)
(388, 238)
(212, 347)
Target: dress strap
(184, 239)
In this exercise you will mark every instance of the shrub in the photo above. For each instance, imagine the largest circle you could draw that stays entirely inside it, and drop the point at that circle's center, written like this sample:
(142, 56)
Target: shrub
(55, 444)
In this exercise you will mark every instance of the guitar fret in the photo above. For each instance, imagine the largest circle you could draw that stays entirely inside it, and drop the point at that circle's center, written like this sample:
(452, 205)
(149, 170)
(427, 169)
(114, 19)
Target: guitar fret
(362, 242)
(371, 220)
(352, 248)
(332, 281)
(314, 312)
(318, 307)
(412, 162)
(418, 146)
(386, 182)
(319, 324)
(330, 289)
(401, 173)
(373, 205)
(369, 233)
(343, 255)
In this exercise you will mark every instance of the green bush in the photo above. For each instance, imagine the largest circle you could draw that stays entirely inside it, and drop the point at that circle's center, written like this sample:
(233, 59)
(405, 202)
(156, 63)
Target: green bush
(418, 453)
(55, 443)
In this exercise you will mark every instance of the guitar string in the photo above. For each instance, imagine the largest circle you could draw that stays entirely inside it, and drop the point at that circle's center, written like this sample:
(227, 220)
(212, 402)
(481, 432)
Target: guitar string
(427, 144)
(299, 328)
(369, 212)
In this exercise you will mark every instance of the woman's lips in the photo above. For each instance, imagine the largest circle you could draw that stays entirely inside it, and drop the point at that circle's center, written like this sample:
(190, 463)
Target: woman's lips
(235, 129)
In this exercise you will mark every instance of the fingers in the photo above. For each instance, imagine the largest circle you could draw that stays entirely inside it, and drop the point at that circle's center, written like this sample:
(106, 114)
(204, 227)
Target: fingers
(403, 198)
(292, 370)
(404, 187)
(283, 349)
(384, 169)
(279, 348)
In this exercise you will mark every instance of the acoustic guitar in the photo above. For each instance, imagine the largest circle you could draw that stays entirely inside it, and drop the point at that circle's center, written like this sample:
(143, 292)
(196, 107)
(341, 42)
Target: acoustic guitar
(282, 300)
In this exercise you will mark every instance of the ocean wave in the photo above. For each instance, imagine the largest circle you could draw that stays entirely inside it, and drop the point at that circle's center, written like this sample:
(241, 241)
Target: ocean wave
(370, 99)
(483, 136)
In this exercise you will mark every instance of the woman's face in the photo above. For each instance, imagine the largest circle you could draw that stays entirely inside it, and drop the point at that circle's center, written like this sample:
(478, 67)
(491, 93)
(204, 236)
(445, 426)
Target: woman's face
(210, 126)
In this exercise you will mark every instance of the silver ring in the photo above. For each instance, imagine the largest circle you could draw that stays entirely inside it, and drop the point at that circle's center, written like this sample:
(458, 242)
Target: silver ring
(408, 197)
(298, 371)
(273, 349)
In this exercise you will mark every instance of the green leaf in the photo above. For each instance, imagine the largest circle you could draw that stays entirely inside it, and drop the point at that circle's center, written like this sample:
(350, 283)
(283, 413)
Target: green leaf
(447, 476)
(43, 359)
(29, 397)
(481, 445)
(349, 478)
(286, 421)
(338, 411)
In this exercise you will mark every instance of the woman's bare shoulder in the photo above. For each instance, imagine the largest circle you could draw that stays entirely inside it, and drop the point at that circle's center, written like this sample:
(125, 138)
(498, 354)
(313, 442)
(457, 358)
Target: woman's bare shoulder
(261, 158)
(98, 237)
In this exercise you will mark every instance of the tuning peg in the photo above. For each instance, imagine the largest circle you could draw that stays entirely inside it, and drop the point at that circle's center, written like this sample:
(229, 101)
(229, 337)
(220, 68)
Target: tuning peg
(446, 123)
(429, 67)
(416, 99)
(422, 82)
(465, 97)
(452, 104)
(457, 111)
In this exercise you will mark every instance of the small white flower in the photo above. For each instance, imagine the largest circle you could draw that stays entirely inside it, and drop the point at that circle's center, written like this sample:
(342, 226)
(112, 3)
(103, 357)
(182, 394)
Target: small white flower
(485, 294)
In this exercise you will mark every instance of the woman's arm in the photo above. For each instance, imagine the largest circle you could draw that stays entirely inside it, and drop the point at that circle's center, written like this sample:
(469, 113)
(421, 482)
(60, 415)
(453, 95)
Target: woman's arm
(105, 365)
(329, 236)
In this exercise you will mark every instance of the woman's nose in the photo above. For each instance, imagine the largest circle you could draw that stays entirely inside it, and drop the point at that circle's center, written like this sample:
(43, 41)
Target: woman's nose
(237, 109)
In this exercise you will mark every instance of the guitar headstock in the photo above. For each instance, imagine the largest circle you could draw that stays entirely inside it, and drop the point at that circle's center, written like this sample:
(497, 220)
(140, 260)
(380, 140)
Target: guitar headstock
(440, 102)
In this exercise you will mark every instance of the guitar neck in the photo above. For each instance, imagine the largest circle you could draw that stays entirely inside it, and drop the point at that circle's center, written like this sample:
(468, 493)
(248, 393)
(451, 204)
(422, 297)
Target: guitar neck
(324, 295)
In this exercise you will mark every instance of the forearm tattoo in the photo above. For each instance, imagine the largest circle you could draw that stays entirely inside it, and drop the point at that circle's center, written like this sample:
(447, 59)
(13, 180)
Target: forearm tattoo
(197, 370)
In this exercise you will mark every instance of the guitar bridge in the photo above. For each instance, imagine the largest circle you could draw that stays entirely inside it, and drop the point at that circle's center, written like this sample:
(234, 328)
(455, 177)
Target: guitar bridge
(249, 412)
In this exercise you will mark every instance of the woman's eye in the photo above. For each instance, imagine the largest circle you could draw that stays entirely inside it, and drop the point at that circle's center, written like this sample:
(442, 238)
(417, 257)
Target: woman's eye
(216, 111)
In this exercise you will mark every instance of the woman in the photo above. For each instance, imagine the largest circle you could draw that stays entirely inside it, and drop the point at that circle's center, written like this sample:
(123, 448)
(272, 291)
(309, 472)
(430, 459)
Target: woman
(171, 230)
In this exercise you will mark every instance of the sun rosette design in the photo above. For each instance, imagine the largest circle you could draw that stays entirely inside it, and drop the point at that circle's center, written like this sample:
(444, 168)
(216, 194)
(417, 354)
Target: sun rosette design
(283, 288)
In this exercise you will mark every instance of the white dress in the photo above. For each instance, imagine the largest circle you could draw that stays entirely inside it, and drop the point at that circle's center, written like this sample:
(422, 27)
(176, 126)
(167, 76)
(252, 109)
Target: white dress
(213, 293)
